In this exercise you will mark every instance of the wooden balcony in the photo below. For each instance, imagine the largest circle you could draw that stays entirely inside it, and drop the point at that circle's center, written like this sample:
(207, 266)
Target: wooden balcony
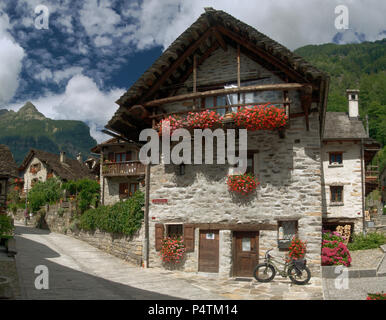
(371, 179)
(119, 169)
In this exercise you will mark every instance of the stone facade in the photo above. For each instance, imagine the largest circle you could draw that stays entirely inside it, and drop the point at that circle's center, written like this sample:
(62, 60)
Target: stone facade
(41, 174)
(288, 169)
(349, 176)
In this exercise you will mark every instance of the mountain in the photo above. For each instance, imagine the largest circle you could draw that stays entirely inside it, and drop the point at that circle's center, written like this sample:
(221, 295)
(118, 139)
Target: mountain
(28, 128)
(355, 66)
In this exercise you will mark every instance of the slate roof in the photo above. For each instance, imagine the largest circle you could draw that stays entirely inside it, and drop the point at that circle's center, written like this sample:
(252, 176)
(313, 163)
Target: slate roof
(338, 125)
(209, 18)
(69, 170)
(8, 167)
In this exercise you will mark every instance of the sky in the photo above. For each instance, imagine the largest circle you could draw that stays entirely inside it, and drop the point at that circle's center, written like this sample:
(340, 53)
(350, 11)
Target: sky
(90, 52)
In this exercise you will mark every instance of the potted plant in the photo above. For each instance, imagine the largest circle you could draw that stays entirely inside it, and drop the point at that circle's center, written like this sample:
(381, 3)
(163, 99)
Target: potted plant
(243, 184)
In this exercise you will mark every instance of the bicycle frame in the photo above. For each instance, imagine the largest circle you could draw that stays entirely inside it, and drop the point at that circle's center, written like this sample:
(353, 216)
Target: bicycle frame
(270, 260)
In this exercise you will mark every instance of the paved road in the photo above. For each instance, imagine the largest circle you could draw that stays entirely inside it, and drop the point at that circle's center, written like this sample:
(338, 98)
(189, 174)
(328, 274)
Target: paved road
(80, 271)
(357, 288)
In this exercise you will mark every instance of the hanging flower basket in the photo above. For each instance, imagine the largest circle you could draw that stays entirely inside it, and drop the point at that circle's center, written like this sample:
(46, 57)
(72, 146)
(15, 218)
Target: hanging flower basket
(297, 249)
(173, 250)
(243, 184)
(261, 117)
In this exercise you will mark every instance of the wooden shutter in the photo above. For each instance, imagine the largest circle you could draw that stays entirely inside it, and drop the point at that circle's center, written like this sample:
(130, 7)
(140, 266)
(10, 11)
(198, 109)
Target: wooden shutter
(159, 235)
(189, 237)
(129, 156)
(111, 156)
(123, 188)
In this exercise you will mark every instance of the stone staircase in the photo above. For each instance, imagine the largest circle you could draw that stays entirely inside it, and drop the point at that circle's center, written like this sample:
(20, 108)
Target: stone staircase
(379, 224)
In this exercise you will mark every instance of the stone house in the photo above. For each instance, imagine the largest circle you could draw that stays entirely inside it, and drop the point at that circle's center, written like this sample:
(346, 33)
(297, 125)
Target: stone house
(382, 178)
(221, 63)
(40, 165)
(120, 171)
(347, 176)
(8, 170)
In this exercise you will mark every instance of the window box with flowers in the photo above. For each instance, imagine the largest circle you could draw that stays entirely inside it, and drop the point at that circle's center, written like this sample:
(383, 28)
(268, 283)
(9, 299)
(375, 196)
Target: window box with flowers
(260, 117)
(172, 250)
(243, 184)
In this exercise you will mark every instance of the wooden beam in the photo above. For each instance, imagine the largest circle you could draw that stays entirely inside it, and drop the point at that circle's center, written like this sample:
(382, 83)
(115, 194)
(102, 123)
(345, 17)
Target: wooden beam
(219, 92)
(176, 63)
(220, 39)
(236, 227)
(265, 55)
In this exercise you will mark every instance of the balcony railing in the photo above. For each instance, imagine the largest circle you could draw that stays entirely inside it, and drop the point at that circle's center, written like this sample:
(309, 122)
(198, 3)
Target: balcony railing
(372, 174)
(127, 168)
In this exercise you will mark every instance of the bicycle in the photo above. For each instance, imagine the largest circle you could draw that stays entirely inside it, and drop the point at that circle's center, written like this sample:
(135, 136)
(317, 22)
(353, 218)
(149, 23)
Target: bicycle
(296, 270)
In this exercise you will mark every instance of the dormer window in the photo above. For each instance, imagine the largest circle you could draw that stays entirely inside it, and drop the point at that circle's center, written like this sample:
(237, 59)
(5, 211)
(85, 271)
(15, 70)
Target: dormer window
(336, 158)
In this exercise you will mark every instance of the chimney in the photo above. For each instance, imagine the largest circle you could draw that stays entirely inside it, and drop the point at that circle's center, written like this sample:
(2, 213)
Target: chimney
(353, 107)
(79, 157)
(62, 157)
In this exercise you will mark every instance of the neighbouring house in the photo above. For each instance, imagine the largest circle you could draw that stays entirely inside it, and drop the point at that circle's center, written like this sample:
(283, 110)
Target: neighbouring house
(382, 178)
(8, 171)
(40, 165)
(347, 176)
(220, 63)
(120, 170)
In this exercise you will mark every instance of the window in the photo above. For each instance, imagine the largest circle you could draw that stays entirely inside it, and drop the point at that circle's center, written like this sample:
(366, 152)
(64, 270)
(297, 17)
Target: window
(174, 230)
(336, 194)
(252, 162)
(133, 187)
(286, 231)
(123, 190)
(336, 158)
(120, 157)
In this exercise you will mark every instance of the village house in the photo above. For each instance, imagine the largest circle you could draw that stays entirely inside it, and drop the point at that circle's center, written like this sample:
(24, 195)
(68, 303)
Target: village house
(8, 171)
(40, 165)
(220, 63)
(348, 177)
(120, 170)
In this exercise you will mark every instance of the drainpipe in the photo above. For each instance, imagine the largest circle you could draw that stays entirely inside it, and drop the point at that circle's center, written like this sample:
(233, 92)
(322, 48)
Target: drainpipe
(363, 187)
(146, 217)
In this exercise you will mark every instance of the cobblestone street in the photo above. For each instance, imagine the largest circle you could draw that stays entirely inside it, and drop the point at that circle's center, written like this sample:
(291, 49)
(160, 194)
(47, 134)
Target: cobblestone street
(80, 271)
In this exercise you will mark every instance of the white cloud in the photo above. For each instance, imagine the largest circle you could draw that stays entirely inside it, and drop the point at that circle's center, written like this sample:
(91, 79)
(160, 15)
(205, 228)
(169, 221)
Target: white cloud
(293, 23)
(11, 56)
(81, 100)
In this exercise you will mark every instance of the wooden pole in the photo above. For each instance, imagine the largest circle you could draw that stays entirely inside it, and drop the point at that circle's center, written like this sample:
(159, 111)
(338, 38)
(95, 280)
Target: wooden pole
(219, 92)
(146, 215)
(238, 72)
(194, 79)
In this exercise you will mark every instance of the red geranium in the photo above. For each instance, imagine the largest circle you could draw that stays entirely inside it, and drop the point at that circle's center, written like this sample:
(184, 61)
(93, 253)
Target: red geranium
(262, 117)
(243, 183)
(172, 250)
(297, 249)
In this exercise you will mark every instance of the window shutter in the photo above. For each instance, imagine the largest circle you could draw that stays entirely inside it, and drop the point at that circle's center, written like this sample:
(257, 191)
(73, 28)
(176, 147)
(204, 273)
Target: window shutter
(189, 237)
(129, 156)
(111, 156)
(159, 235)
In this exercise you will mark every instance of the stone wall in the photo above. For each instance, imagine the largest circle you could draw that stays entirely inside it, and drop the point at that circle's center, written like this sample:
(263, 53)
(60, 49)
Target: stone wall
(41, 175)
(348, 175)
(289, 171)
(59, 220)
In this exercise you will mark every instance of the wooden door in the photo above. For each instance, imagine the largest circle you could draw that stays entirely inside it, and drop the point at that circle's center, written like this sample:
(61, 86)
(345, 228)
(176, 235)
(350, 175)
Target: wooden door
(208, 260)
(246, 253)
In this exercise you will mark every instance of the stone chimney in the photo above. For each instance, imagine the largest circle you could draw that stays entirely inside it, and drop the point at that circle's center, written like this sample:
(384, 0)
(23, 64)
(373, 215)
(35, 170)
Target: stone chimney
(79, 157)
(62, 157)
(353, 106)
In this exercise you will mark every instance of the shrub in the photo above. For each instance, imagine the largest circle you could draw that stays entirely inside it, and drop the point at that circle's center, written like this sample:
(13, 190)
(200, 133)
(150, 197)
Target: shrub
(6, 226)
(297, 249)
(86, 191)
(334, 251)
(172, 250)
(371, 240)
(122, 218)
(44, 193)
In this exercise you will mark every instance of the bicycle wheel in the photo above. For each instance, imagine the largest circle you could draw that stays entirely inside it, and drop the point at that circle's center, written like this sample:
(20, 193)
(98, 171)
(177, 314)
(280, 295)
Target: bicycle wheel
(264, 272)
(301, 277)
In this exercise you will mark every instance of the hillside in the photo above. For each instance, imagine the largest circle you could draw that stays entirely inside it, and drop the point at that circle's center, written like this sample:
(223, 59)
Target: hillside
(355, 66)
(28, 128)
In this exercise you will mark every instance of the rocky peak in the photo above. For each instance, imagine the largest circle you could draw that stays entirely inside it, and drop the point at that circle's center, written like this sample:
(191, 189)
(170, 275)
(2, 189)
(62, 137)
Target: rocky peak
(29, 111)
